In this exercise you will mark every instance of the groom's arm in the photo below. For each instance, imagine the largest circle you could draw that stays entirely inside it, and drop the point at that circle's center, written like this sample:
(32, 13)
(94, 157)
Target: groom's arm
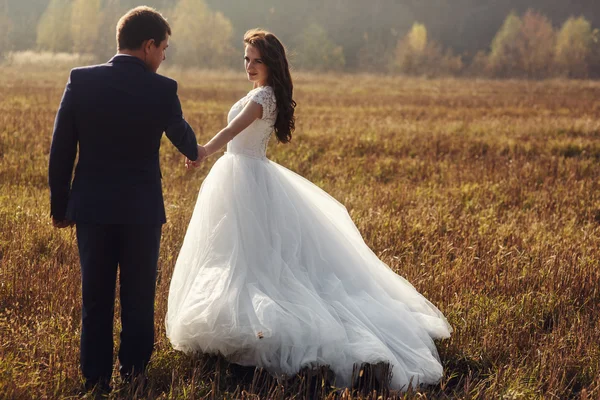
(179, 132)
(62, 156)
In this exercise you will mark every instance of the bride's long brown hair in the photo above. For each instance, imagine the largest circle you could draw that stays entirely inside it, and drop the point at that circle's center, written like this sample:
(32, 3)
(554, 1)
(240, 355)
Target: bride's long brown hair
(273, 55)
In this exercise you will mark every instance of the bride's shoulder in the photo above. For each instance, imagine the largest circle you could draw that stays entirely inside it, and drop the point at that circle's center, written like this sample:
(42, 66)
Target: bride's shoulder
(265, 96)
(264, 93)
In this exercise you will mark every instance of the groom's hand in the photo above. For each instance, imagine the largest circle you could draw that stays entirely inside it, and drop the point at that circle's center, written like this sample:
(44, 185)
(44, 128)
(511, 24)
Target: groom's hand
(64, 223)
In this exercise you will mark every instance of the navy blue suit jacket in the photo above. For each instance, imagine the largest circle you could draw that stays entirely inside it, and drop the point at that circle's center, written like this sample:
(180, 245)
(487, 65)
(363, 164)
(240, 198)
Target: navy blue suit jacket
(116, 114)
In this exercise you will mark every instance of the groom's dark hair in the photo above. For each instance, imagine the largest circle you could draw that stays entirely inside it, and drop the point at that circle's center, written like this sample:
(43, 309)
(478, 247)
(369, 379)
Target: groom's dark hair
(140, 24)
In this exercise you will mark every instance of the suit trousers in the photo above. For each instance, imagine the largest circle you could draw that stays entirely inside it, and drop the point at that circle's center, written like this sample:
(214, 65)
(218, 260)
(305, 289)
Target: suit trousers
(133, 251)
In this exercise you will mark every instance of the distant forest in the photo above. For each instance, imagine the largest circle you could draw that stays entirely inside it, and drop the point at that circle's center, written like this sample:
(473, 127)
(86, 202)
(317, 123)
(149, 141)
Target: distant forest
(501, 38)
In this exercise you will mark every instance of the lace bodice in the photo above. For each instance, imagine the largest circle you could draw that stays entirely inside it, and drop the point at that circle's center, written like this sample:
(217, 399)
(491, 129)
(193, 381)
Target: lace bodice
(253, 140)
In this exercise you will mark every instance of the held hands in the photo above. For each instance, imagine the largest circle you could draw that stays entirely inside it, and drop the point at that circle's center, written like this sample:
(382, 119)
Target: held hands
(202, 154)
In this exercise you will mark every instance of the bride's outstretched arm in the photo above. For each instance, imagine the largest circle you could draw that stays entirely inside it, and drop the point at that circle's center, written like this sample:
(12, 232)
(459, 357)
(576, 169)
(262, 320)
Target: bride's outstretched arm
(251, 111)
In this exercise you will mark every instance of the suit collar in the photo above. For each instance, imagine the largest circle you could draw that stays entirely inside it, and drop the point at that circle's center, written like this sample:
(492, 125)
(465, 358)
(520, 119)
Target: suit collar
(126, 58)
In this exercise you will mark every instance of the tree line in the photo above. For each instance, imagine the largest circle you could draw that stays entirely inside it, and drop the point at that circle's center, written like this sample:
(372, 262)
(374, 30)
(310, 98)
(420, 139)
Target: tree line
(526, 46)
(387, 39)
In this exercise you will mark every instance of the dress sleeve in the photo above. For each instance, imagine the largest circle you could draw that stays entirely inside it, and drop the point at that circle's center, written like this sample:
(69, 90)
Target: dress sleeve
(266, 98)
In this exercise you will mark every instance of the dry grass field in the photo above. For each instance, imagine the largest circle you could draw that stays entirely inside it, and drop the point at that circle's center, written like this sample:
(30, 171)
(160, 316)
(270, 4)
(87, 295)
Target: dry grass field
(484, 194)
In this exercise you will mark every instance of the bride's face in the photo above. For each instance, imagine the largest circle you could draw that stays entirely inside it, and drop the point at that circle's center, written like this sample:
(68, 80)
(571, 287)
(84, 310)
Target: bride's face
(256, 69)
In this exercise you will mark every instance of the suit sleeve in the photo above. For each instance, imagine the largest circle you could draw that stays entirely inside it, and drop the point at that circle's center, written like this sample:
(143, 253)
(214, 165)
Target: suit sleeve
(62, 155)
(179, 132)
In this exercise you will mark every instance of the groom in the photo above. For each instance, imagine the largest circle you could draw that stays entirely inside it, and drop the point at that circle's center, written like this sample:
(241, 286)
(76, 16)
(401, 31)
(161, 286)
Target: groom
(116, 113)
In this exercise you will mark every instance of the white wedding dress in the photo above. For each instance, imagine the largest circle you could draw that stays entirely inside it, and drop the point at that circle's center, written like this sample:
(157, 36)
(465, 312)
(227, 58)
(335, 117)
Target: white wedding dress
(273, 273)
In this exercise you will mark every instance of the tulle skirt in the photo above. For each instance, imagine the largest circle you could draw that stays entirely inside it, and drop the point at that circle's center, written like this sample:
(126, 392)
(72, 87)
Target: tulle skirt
(273, 273)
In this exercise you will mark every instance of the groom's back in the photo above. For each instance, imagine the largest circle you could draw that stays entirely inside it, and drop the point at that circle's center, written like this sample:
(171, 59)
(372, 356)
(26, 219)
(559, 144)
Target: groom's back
(120, 113)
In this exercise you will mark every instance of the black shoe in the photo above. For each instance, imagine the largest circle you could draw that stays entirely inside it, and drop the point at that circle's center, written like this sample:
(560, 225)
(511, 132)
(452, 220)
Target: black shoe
(98, 388)
(138, 383)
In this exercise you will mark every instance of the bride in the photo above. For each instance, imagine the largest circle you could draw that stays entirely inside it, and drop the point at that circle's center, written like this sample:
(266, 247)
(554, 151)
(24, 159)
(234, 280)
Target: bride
(273, 273)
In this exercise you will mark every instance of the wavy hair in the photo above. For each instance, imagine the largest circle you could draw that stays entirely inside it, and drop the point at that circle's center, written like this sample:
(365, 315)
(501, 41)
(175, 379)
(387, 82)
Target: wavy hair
(273, 55)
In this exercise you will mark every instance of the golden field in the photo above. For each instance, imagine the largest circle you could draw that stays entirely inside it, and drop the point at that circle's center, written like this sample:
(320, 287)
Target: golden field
(484, 194)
